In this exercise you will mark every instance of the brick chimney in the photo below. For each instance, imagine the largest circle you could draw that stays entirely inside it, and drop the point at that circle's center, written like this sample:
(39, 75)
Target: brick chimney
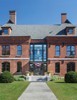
(12, 14)
(63, 17)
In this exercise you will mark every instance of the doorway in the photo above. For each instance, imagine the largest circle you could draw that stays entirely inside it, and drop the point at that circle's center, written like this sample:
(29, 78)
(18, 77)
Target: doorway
(38, 68)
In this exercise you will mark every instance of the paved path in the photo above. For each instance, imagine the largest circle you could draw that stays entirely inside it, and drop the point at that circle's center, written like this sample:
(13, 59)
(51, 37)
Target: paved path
(37, 91)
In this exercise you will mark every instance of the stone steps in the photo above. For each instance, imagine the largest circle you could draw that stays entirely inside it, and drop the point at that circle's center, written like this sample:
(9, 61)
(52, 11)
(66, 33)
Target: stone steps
(38, 78)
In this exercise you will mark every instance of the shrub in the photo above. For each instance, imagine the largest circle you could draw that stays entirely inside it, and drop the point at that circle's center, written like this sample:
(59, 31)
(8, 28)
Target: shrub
(22, 76)
(19, 78)
(71, 77)
(6, 77)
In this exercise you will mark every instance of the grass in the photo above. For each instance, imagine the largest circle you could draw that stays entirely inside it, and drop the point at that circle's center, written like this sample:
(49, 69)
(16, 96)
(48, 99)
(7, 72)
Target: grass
(62, 90)
(11, 91)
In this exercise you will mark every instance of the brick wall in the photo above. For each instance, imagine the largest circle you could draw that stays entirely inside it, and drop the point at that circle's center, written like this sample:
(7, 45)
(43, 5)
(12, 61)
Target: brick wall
(63, 42)
(13, 42)
(25, 42)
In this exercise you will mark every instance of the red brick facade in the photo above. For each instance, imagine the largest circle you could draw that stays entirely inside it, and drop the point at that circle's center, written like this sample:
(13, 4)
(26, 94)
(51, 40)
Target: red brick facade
(25, 57)
(13, 58)
(63, 58)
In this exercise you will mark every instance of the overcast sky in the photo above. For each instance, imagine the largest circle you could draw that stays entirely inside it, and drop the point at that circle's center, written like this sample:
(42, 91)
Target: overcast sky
(38, 11)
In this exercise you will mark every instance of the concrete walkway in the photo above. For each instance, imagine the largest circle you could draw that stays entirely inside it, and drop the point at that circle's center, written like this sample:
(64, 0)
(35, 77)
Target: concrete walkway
(37, 91)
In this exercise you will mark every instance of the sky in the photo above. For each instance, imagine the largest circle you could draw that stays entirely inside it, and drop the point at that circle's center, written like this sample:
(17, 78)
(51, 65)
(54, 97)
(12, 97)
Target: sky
(45, 12)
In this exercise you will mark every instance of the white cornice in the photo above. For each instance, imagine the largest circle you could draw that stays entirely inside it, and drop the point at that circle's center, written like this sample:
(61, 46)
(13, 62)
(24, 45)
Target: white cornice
(53, 59)
(14, 58)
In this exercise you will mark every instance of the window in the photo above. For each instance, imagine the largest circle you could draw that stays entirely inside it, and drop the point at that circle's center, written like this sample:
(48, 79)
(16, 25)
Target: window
(19, 50)
(70, 66)
(5, 66)
(70, 50)
(44, 53)
(57, 51)
(19, 66)
(31, 52)
(57, 67)
(44, 67)
(31, 67)
(38, 52)
(70, 31)
(5, 31)
(6, 50)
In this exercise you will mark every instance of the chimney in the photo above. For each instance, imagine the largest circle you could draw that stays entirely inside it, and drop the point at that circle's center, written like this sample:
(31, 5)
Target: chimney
(63, 17)
(13, 16)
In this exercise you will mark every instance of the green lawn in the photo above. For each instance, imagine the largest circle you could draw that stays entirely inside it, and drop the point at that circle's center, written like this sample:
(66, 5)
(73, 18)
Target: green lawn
(11, 91)
(64, 91)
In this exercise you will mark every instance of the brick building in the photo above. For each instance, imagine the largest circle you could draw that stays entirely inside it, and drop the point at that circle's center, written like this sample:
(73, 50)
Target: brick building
(38, 48)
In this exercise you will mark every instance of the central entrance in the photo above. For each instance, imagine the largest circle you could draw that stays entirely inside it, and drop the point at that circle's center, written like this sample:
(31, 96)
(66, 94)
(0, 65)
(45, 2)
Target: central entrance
(38, 58)
(38, 68)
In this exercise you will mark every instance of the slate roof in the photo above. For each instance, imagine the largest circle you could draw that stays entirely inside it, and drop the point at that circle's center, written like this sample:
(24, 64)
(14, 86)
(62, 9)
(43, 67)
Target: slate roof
(38, 31)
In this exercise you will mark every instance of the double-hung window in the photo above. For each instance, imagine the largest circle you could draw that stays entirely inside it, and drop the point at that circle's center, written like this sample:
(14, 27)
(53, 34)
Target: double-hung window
(70, 50)
(6, 50)
(57, 67)
(57, 50)
(19, 67)
(19, 50)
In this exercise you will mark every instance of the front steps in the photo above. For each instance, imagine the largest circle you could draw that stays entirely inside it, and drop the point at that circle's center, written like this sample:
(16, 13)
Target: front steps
(33, 78)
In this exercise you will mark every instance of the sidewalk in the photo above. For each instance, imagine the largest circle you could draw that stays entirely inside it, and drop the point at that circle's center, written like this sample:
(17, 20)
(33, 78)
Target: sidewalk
(37, 91)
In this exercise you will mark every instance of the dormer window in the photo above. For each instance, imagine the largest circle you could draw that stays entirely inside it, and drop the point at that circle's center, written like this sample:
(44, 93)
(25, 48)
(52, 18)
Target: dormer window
(5, 31)
(70, 31)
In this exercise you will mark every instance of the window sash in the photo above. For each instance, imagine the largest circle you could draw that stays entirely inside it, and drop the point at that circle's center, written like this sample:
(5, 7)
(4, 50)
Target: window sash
(5, 66)
(19, 50)
(6, 50)
(57, 67)
(57, 51)
(38, 52)
(19, 67)
(70, 50)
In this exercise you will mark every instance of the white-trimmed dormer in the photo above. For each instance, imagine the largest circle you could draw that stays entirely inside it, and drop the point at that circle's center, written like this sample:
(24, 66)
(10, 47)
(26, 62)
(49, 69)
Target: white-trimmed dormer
(6, 30)
(70, 30)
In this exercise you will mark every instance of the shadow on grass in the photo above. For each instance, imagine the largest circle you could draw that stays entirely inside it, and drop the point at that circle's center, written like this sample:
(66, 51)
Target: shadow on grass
(59, 82)
(64, 83)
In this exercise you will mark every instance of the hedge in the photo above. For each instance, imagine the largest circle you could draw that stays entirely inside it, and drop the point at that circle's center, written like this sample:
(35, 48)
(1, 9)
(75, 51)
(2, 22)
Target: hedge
(6, 77)
(71, 77)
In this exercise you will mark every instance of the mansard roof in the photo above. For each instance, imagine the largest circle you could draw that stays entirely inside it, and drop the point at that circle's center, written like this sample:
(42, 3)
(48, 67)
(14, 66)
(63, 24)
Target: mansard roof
(38, 31)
